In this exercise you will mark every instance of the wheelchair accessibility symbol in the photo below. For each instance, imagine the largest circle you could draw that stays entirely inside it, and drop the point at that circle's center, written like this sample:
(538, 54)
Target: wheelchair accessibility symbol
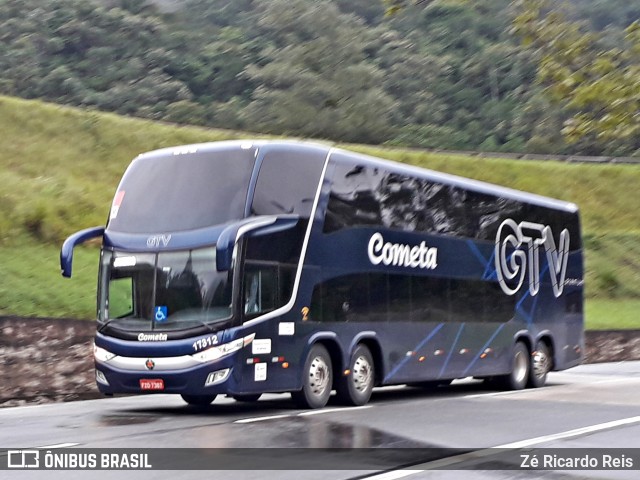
(160, 314)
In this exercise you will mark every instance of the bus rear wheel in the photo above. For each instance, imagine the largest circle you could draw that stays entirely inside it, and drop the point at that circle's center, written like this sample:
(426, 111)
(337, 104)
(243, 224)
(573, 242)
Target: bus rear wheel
(541, 362)
(199, 400)
(520, 367)
(317, 379)
(356, 387)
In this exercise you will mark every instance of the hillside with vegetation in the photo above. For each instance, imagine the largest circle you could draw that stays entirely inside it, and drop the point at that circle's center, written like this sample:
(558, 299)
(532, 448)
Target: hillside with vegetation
(452, 74)
(60, 166)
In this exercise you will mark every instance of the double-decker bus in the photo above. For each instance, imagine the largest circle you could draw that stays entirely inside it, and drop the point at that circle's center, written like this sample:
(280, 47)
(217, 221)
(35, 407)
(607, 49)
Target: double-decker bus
(248, 267)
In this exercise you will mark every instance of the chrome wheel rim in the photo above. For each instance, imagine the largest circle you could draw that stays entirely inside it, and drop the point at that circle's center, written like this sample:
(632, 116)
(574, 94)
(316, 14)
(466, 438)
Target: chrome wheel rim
(362, 374)
(319, 376)
(520, 367)
(540, 363)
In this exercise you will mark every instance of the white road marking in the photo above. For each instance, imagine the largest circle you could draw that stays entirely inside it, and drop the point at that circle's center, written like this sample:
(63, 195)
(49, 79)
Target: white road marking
(332, 410)
(495, 394)
(59, 445)
(571, 433)
(535, 390)
(618, 380)
(394, 475)
(261, 419)
(445, 462)
(302, 414)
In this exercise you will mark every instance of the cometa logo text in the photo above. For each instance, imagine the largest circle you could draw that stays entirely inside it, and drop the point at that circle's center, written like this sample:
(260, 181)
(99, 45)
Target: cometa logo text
(152, 337)
(397, 254)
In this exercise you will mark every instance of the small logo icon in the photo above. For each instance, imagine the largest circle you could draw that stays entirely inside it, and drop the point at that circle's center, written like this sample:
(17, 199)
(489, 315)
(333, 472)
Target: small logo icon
(23, 459)
(160, 314)
(156, 241)
(150, 364)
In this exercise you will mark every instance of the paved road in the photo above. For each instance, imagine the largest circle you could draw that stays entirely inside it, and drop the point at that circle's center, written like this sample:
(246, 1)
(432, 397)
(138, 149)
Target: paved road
(591, 406)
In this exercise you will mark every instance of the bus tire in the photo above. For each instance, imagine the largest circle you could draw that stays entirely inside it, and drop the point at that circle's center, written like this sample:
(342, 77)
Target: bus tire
(247, 397)
(520, 366)
(541, 362)
(317, 379)
(199, 400)
(356, 387)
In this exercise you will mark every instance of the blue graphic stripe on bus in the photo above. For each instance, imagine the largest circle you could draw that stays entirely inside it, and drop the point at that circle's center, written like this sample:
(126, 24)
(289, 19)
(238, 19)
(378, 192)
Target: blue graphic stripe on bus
(529, 315)
(476, 251)
(526, 313)
(484, 347)
(490, 272)
(453, 347)
(416, 348)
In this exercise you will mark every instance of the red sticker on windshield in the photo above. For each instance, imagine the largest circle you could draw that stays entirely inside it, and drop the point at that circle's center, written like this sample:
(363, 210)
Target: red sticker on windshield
(115, 206)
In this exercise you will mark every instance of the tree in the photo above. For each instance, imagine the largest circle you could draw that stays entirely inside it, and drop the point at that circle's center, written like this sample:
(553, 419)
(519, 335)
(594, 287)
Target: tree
(599, 86)
(467, 76)
(394, 6)
(86, 53)
(315, 77)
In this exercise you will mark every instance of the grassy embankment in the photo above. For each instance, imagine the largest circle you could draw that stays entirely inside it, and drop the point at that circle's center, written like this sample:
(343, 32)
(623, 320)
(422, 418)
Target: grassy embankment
(59, 168)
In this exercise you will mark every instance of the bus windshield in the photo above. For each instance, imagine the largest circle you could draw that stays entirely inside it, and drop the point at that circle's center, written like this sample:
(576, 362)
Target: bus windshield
(167, 193)
(166, 291)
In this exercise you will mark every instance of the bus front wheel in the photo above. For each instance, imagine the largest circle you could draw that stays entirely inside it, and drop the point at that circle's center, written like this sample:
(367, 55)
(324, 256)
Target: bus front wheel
(317, 379)
(199, 400)
(356, 387)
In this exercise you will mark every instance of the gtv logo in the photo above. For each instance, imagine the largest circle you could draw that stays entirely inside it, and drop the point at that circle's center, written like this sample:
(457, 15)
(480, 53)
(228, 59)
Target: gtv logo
(155, 241)
(517, 252)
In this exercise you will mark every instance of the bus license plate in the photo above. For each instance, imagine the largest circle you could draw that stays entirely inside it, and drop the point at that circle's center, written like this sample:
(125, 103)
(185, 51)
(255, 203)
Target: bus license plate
(152, 384)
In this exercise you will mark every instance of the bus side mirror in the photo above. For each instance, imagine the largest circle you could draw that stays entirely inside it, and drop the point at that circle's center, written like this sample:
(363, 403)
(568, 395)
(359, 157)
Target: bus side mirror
(66, 253)
(254, 226)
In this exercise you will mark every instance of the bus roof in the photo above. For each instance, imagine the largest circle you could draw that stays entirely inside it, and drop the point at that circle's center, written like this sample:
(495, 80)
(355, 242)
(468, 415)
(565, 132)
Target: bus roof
(375, 162)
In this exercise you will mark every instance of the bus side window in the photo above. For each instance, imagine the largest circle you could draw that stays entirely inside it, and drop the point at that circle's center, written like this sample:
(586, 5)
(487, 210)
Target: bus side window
(260, 289)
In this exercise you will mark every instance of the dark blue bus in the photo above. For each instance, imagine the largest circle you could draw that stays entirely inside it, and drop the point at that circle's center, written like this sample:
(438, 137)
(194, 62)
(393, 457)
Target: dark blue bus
(247, 267)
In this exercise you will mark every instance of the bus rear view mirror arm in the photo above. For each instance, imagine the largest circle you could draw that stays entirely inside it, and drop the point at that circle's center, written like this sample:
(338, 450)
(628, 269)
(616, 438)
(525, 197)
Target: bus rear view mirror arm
(254, 226)
(66, 253)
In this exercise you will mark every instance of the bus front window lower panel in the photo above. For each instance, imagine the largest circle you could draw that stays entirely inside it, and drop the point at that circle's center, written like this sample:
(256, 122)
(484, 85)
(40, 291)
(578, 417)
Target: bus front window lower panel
(163, 292)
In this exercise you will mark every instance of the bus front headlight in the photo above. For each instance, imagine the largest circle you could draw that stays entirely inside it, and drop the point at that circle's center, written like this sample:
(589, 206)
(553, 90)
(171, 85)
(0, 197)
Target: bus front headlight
(219, 351)
(102, 355)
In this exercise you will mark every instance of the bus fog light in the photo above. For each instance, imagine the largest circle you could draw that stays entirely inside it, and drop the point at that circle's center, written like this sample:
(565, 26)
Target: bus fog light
(217, 377)
(100, 378)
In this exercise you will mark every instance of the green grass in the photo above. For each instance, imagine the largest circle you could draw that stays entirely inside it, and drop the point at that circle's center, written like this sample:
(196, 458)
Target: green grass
(60, 166)
(608, 314)
(31, 284)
